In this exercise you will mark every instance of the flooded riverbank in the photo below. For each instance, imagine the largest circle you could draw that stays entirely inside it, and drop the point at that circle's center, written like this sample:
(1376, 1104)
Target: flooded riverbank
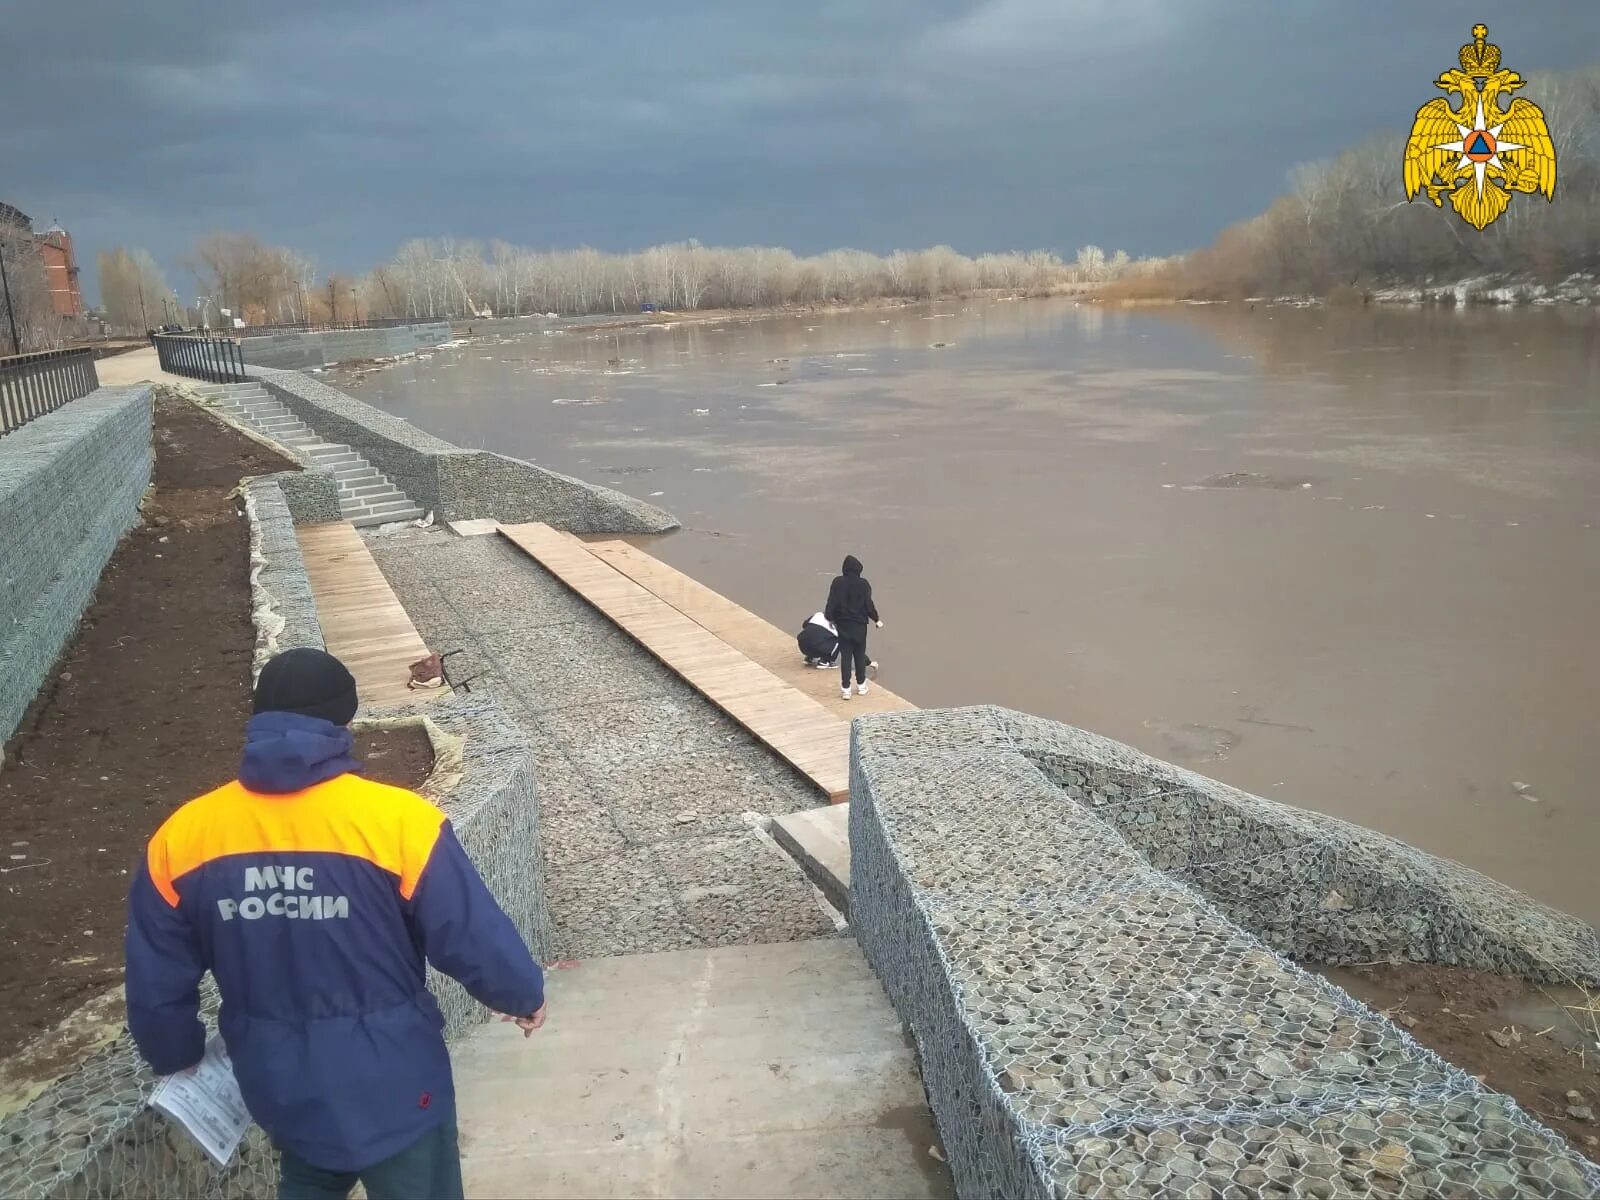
(1346, 559)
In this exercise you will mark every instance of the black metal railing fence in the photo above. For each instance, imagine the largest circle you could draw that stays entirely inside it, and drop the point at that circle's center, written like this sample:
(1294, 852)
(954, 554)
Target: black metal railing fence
(213, 359)
(34, 384)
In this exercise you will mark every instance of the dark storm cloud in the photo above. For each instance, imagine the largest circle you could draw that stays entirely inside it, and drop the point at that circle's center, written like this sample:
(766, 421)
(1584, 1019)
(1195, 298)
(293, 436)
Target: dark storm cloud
(345, 127)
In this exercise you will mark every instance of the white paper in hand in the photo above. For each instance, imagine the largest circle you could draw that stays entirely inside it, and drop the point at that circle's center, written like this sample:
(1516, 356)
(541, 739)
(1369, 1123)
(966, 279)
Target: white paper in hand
(206, 1102)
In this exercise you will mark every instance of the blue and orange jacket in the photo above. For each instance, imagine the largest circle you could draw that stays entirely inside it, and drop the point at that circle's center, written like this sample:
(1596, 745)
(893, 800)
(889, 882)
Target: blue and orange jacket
(314, 896)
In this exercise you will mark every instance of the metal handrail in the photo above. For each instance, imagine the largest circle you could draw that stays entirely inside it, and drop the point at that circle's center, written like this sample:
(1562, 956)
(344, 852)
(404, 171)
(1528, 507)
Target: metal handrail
(213, 359)
(32, 385)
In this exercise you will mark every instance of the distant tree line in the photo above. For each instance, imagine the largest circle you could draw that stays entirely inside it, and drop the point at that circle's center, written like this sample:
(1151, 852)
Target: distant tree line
(238, 276)
(447, 278)
(1345, 225)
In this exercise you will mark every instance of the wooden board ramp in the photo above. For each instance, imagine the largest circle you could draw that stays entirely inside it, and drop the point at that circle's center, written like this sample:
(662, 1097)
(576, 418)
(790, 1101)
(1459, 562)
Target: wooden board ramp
(363, 624)
(760, 640)
(813, 740)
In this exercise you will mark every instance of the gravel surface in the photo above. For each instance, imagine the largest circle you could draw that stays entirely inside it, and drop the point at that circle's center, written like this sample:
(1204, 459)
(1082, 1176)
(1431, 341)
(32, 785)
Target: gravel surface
(642, 782)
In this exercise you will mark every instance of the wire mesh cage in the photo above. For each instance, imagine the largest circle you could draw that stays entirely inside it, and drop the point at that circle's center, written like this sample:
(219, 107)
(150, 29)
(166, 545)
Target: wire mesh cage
(1094, 951)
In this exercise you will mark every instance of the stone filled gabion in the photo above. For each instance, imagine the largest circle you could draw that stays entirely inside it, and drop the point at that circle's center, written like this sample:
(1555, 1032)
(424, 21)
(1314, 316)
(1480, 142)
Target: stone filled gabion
(70, 486)
(453, 483)
(90, 1134)
(1089, 947)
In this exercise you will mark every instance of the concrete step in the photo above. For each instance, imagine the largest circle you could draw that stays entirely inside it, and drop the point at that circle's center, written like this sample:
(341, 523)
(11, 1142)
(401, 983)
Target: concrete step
(378, 501)
(391, 503)
(361, 474)
(330, 450)
(278, 423)
(819, 839)
(342, 460)
(772, 1070)
(365, 520)
(376, 486)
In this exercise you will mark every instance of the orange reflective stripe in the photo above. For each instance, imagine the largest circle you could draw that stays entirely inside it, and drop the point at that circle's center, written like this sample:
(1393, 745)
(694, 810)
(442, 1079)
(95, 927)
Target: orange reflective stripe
(389, 827)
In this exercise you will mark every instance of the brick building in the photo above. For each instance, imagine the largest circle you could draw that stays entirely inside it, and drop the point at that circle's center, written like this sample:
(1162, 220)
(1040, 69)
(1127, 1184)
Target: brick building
(60, 263)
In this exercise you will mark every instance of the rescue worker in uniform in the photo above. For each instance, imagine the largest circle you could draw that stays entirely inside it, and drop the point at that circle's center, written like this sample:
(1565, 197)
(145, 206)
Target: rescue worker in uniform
(315, 897)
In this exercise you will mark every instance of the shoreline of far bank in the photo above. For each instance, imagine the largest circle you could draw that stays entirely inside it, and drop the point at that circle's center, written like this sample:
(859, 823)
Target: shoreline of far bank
(1578, 290)
(601, 322)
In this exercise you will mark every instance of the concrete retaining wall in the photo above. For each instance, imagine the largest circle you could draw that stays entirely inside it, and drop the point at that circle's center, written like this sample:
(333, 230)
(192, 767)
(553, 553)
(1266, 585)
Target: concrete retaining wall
(296, 351)
(1050, 911)
(70, 485)
(458, 484)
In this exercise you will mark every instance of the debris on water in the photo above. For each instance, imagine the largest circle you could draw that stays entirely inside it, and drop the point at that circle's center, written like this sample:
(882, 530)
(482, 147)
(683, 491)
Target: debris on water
(939, 345)
(1251, 479)
(702, 412)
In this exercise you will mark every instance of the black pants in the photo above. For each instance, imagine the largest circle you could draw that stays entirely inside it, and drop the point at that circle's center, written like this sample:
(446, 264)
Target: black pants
(852, 649)
(428, 1169)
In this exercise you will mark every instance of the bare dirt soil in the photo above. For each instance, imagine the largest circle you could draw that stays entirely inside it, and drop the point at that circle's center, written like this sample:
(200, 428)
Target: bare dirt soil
(401, 756)
(144, 710)
(1537, 1045)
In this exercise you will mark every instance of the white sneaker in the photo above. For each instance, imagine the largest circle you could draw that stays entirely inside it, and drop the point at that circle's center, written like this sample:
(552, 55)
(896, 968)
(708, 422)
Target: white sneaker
(844, 693)
(861, 688)
(872, 670)
(826, 666)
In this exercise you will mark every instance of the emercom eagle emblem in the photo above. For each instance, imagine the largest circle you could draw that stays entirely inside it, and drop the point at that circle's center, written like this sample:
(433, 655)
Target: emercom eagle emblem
(1480, 153)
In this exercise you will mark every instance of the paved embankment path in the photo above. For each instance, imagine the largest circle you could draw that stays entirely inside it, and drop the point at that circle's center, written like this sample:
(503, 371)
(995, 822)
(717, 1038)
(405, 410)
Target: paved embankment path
(765, 1059)
(136, 366)
(643, 784)
(788, 721)
(773, 1070)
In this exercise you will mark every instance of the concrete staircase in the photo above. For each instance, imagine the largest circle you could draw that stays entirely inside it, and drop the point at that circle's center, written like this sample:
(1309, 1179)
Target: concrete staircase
(366, 496)
(743, 1071)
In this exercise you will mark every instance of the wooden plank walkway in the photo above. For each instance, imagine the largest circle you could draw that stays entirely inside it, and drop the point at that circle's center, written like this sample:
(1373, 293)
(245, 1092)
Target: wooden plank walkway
(760, 640)
(362, 621)
(799, 729)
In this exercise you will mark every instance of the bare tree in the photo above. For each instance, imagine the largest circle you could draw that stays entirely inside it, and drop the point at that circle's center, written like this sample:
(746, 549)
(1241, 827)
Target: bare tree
(30, 313)
(134, 292)
(1345, 223)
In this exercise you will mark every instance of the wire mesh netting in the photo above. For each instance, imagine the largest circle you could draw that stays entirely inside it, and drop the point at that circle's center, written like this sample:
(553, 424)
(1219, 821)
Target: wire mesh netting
(1090, 948)
(91, 1133)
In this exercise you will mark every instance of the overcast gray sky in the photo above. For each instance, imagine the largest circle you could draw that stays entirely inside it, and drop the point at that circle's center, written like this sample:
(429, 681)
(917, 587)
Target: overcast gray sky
(343, 127)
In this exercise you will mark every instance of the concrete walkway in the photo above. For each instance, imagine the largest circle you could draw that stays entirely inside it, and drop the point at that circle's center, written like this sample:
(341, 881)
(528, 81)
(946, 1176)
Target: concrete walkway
(644, 787)
(775, 1070)
(136, 366)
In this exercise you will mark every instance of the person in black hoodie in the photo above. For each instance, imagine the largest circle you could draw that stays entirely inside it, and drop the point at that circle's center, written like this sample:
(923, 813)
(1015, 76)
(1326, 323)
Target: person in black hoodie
(850, 607)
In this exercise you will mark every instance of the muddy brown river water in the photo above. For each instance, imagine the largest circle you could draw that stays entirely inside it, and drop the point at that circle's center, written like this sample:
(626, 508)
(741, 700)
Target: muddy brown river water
(1348, 559)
